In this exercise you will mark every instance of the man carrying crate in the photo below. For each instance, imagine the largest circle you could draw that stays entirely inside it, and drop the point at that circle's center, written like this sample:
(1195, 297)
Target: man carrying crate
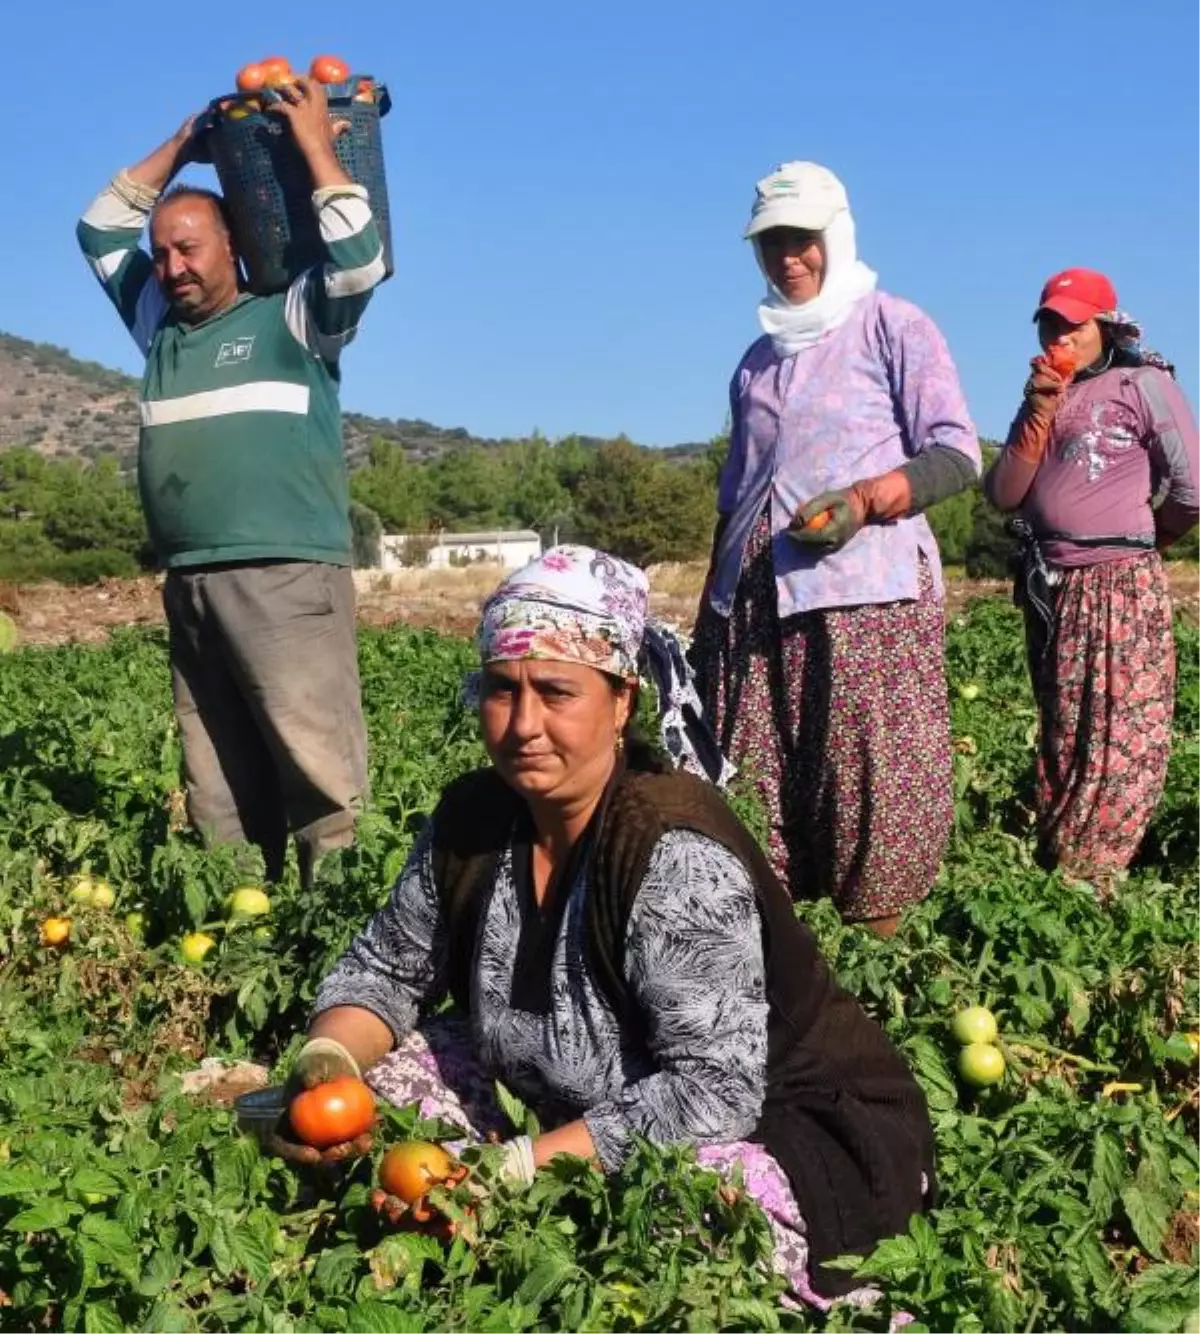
(245, 489)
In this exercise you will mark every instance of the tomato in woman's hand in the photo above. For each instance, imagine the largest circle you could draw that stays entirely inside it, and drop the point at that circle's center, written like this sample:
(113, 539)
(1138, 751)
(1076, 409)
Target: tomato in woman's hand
(818, 521)
(332, 1113)
(250, 78)
(1061, 360)
(329, 69)
(411, 1169)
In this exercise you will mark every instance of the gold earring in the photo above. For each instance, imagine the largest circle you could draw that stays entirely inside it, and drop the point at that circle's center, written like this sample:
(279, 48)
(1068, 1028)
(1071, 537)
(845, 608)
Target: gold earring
(619, 744)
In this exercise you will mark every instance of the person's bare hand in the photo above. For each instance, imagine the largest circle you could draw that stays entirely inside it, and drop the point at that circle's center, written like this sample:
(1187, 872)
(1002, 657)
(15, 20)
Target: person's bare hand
(304, 106)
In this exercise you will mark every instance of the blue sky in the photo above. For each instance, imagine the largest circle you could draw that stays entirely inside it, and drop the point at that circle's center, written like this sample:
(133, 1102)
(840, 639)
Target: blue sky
(569, 182)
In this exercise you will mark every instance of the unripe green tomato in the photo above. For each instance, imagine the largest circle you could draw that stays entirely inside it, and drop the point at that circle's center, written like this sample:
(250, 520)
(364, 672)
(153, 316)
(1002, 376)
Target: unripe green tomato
(974, 1024)
(249, 901)
(102, 894)
(81, 889)
(981, 1064)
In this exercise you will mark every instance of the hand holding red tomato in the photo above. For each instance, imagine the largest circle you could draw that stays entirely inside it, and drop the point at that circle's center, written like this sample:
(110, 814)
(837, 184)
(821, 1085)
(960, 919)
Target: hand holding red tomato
(330, 1112)
(1045, 388)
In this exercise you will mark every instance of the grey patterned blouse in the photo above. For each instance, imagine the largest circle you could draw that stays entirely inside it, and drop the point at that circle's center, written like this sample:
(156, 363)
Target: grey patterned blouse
(695, 1069)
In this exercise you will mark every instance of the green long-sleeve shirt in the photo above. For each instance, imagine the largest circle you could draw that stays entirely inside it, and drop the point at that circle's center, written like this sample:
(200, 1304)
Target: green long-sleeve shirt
(240, 451)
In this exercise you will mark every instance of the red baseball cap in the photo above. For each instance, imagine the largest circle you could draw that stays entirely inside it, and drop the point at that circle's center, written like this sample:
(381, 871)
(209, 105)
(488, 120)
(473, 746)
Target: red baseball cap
(1077, 295)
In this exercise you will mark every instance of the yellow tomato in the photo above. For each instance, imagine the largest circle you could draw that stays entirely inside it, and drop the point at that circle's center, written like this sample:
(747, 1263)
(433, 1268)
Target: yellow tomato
(56, 931)
(195, 946)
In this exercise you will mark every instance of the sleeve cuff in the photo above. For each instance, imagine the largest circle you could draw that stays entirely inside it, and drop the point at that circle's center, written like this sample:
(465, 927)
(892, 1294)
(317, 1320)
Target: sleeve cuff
(322, 196)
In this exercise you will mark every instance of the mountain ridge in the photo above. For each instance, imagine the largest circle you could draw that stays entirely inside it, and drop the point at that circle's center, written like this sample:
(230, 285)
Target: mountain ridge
(65, 407)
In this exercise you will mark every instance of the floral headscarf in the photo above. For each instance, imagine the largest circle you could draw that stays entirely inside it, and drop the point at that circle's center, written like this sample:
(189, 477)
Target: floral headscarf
(576, 604)
(573, 604)
(1126, 335)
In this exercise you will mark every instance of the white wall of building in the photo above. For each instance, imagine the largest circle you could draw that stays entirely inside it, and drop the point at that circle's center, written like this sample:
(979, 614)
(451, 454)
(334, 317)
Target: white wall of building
(511, 550)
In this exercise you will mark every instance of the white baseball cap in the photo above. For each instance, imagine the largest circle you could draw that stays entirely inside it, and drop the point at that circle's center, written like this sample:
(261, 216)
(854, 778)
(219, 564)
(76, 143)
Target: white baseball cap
(797, 194)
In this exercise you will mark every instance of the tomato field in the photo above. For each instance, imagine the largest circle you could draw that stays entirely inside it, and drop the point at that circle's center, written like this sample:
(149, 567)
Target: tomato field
(1068, 1191)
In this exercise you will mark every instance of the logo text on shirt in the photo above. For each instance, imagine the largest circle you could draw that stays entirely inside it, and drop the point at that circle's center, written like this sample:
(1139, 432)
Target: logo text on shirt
(239, 350)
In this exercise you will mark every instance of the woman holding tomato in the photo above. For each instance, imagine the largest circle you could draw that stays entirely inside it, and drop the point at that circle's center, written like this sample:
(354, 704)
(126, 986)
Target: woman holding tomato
(1101, 465)
(819, 641)
(622, 956)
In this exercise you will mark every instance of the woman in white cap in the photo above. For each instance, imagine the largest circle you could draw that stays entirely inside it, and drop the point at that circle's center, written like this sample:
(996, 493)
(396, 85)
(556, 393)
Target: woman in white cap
(622, 955)
(819, 643)
(1103, 432)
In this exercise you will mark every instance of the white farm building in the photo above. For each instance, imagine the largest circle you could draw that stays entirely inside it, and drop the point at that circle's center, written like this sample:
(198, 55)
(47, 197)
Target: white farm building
(443, 551)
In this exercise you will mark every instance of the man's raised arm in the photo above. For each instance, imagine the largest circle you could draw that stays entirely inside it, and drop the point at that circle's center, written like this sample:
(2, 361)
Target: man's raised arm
(110, 231)
(325, 304)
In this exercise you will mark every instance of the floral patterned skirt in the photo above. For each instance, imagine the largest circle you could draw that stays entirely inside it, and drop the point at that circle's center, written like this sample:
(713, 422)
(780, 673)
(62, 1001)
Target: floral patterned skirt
(840, 718)
(436, 1066)
(1106, 698)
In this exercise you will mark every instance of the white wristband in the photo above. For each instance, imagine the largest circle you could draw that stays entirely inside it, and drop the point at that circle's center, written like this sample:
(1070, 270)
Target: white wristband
(518, 1160)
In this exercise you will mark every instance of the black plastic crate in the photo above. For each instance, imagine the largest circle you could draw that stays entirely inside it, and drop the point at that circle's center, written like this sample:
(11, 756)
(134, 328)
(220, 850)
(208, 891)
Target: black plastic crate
(268, 189)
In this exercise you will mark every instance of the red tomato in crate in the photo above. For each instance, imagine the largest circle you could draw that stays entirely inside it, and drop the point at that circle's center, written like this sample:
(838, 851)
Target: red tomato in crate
(329, 69)
(250, 78)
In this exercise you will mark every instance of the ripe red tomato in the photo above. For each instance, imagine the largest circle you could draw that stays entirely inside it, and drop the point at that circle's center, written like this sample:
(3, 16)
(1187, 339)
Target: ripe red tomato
(412, 1169)
(1061, 360)
(250, 78)
(276, 65)
(333, 1112)
(329, 69)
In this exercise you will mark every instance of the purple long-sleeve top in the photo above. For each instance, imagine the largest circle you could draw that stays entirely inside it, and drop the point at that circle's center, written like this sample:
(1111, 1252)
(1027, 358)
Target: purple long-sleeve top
(1116, 438)
(868, 397)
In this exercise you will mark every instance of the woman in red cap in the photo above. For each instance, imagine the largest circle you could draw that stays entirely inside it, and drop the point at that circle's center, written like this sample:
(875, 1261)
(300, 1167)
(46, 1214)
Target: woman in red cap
(1101, 465)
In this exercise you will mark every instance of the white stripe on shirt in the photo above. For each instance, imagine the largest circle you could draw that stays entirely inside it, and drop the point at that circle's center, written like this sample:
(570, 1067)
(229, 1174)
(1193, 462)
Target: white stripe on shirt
(350, 282)
(110, 213)
(295, 312)
(343, 216)
(260, 396)
(106, 265)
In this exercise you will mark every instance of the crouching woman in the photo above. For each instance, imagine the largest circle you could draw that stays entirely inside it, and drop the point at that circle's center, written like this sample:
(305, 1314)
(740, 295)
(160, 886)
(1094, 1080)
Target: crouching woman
(621, 953)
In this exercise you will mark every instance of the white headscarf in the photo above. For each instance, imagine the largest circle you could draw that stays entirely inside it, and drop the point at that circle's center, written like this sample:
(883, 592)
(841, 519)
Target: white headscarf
(805, 195)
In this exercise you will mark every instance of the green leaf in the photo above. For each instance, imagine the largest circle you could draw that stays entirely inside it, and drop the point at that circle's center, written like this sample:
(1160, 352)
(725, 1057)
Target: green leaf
(1149, 1212)
(24, 1181)
(92, 1181)
(1178, 1049)
(252, 1255)
(111, 1244)
(931, 1069)
(377, 1317)
(522, 1119)
(1109, 1172)
(544, 1279)
(103, 1318)
(158, 1272)
(45, 1217)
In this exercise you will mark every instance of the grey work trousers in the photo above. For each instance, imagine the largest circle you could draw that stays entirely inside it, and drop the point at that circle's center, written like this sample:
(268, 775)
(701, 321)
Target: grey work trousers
(264, 668)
